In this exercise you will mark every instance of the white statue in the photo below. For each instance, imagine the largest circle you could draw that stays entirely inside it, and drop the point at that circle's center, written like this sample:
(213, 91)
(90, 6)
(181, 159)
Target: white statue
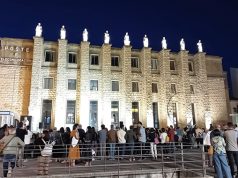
(182, 44)
(62, 33)
(199, 44)
(25, 122)
(146, 41)
(85, 35)
(106, 38)
(38, 30)
(164, 43)
(127, 40)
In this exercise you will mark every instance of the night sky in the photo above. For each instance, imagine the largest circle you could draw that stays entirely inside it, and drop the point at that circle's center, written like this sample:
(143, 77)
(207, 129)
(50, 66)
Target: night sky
(215, 22)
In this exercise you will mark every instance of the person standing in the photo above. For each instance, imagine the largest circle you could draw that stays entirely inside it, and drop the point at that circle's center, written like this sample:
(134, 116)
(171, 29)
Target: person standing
(130, 139)
(11, 144)
(88, 146)
(221, 166)
(102, 136)
(141, 138)
(231, 136)
(121, 140)
(21, 132)
(74, 151)
(112, 139)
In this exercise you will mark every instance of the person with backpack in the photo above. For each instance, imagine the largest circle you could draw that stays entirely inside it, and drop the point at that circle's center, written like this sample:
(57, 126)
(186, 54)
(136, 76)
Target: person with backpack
(11, 143)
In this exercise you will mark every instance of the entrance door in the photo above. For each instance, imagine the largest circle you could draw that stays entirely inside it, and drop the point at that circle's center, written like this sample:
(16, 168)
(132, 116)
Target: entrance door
(46, 113)
(93, 114)
(135, 112)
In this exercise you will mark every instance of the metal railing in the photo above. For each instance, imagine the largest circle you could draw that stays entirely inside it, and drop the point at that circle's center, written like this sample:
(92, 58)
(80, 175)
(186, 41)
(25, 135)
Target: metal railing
(122, 159)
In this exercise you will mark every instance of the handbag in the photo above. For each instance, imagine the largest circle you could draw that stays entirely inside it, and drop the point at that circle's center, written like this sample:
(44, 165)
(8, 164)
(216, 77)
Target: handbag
(156, 140)
(47, 151)
(4, 144)
(74, 142)
(210, 150)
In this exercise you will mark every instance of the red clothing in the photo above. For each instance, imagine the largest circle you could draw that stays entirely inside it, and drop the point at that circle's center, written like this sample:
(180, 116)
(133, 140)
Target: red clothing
(171, 135)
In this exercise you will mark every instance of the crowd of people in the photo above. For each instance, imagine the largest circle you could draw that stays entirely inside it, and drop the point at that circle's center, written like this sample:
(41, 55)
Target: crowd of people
(72, 146)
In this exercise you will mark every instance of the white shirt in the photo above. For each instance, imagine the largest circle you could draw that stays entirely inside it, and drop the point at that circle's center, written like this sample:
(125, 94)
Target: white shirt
(27, 139)
(163, 136)
(121, 136)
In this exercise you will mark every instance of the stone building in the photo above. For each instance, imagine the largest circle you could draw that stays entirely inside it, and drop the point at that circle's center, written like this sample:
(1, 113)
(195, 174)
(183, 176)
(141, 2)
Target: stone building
(59, 83)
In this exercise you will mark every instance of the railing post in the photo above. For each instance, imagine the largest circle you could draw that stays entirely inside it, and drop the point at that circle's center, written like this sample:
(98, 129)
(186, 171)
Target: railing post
(118, 162)
(182, 156)
(203, 162)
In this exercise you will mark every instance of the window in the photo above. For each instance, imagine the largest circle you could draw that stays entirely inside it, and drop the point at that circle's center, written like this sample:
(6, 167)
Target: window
(93, 114)
(46, 114)
(193, 113)
(70, 113)
(154, 64)
(135, 112)
(173, 88)
(115, 85)
(191, 89)
(115, 61)
(172, 64)
(94, 59)
(71, 84)
(155, 115)
(174, 112)
(72, 58)
(135, 62)
(154, 88)
(48, 83)
(49, 56)
(115, 113)
(135, 87)
(190, 66)
(94, 85)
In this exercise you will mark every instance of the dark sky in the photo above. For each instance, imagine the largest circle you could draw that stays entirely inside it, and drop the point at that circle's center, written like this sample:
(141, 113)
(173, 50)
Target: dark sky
(215, 22)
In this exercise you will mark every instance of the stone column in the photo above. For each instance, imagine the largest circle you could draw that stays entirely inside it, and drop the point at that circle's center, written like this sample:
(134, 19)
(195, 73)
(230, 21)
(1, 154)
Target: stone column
(83, 87)
(61, 85)
(106, 84)
(146, 110)
(35, 105)
(126, 104)
(164, 56)
(203, 106)
(184, 102)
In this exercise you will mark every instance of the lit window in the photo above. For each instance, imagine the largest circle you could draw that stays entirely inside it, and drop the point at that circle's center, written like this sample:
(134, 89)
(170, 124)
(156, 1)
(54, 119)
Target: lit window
(115, 85)
(191, 89)
(49, 56)
(134, 62)
(71, 84)
(94, 85)
(173, 88)
(154, 64)
(48, 83)
(154, 88)
(70, 113)
(94, 59)
(190, 66)
(135, 87)
(172, 64)
(72, 58)
(115, 61)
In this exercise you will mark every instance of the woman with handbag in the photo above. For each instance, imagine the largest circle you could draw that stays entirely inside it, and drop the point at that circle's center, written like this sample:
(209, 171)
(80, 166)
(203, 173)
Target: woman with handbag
(74, 152)
(153, 139)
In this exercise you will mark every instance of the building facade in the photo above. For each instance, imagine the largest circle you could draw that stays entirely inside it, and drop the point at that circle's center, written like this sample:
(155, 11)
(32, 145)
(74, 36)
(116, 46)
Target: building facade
(59, 84)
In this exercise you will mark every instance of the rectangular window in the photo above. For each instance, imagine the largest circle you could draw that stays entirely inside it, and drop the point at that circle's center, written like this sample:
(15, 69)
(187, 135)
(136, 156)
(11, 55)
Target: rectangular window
(48, 83)
(94, 59)
(93, 114)
(172, 64)
(190, 66)
(155, 115)
(135, 87)
(115, 61)
(49, 56)
(72, 58)
(115, 85)
(191, 89)
(135, 112)
(154, 88)
(154, 64)
(70, 112)
(193, 114)
(115, 113)
(173, 88)
(71, 84)
(135, 62)
(174, 112)
(94, 85)
(46, 114)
